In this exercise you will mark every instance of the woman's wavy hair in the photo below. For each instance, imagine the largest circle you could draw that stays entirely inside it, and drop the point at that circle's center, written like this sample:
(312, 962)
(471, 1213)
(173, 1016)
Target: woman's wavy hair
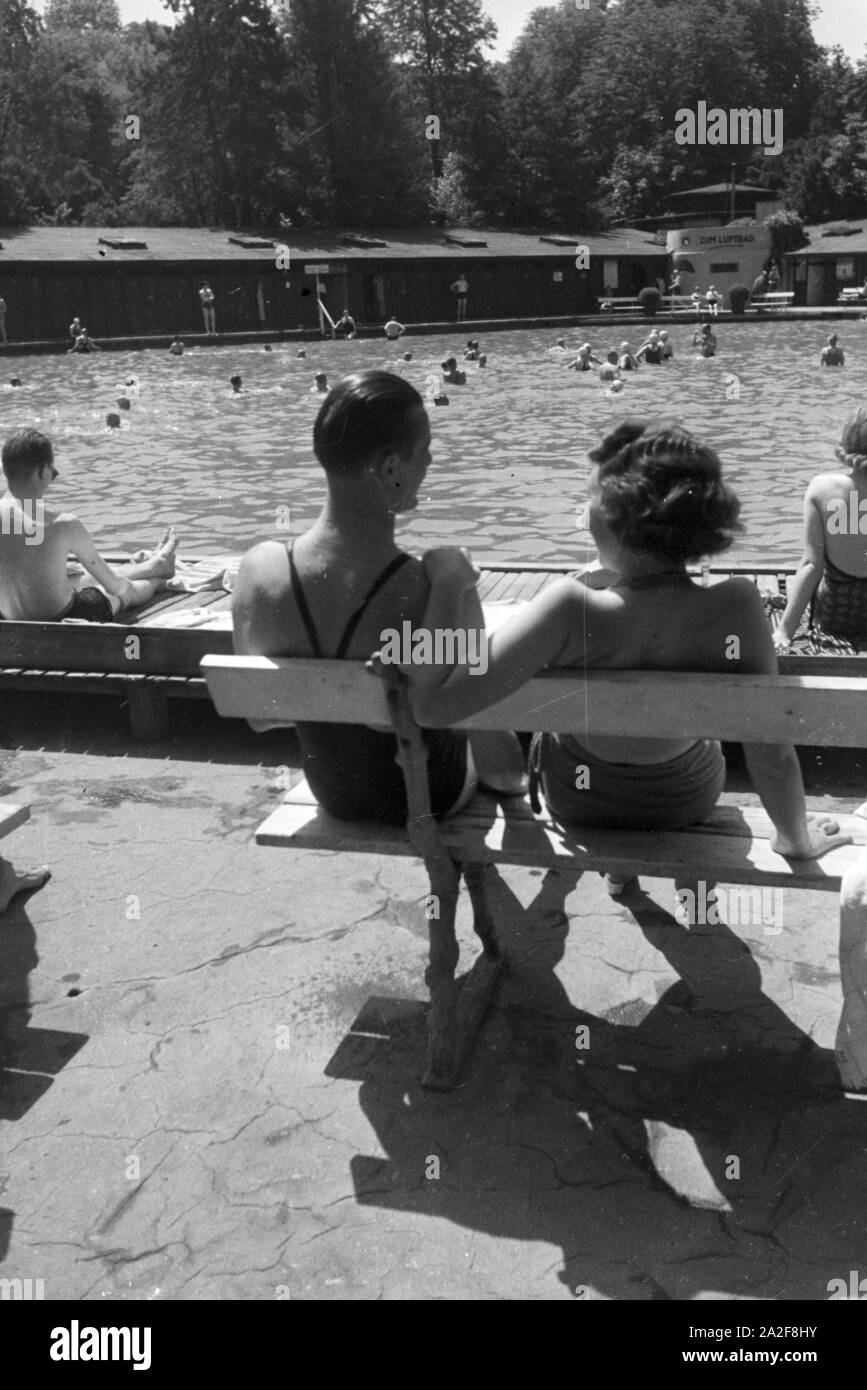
(662, 492)
(852, 449)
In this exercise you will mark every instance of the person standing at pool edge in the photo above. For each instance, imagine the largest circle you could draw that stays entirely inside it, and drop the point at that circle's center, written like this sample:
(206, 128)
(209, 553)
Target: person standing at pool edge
(461, 289)
(4, 341)
(206, 295)
(393, 329)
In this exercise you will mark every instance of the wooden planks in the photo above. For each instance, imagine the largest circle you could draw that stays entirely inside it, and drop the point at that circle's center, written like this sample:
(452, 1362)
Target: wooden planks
(732, 846)
(679, 704)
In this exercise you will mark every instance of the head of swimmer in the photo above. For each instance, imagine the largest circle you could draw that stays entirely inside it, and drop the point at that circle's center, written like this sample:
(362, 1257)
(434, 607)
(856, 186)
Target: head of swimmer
(656, 496)
(236, 383)
(28, 464)
(372, 437)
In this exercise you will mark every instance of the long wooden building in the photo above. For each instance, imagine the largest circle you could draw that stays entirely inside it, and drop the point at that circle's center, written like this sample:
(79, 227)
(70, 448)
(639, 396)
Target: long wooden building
(142, 281)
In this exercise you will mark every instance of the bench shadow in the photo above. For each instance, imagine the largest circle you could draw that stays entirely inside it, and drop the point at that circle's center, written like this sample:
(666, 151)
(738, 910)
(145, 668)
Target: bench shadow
(664, 1159)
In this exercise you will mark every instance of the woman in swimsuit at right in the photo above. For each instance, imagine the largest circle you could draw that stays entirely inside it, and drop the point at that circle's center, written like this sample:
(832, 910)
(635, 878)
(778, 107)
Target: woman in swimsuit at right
(657, 502)
(834, 566)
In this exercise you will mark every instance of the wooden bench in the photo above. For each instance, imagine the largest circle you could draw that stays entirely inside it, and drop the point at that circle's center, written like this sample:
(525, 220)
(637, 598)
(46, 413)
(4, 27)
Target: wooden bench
(733, 846)
(614, 305)
(852, 297)
(778, 300)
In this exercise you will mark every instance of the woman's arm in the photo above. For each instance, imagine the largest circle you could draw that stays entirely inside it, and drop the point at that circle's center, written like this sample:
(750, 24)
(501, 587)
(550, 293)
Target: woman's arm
(773, 767)
(806, 581)
(533, 639)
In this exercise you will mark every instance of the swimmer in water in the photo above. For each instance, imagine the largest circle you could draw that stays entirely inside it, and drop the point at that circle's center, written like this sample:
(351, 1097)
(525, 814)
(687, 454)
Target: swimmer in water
(112, 419)
(407, 357)
(832, 355)
(667, 349)
(15, 381)
(609, 372)
(483, 359)
(651, 349)
(705, 341)
(123, 403)
(559, 346)
(176, 347)
(472, 352)
(451, 373)
(301, 353)
(320, 384)
(236, 383)
(583, 361)
(84, 343)
(268, 347)
(626, 361)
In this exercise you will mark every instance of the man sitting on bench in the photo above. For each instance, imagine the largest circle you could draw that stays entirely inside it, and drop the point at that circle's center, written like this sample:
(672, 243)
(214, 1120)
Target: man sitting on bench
(35, 544)
(333, 592)
(657, 503)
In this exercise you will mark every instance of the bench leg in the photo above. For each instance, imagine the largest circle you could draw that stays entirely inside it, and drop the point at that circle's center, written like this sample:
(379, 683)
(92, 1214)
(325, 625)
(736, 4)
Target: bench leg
(455, 1016)
(445, 884)
(148, 714)
(476, 879)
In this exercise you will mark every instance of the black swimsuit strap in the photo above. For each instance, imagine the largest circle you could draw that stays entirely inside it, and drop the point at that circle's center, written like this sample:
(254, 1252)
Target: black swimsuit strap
(301, 603)
(349, 631)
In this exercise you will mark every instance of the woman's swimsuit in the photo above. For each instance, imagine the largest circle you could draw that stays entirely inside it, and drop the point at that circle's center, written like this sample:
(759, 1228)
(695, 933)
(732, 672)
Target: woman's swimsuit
(352, 769)
(583, 789)
(653, 354)
(633, 796)
(840, 606)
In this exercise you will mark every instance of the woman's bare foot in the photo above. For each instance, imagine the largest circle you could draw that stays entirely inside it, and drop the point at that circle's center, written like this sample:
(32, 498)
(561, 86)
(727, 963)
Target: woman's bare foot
(12, 882)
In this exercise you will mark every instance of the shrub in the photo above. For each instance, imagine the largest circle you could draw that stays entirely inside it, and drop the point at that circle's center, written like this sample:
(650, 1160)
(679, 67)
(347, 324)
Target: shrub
(650, 300)
(739, 296)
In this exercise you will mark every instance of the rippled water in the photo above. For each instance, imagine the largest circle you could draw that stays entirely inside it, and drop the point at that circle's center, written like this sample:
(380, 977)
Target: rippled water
(509, 451)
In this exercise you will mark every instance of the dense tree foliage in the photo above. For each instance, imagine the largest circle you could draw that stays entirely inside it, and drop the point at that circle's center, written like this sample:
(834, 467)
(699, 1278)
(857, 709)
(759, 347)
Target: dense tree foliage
(242, 112)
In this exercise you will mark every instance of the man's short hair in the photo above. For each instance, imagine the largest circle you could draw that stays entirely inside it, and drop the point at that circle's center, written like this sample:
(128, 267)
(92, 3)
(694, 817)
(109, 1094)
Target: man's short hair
(365, 415)
(24, 452)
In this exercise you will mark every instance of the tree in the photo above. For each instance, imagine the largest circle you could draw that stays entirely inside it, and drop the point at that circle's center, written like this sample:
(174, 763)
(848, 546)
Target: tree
(450, 198)
(439, 45)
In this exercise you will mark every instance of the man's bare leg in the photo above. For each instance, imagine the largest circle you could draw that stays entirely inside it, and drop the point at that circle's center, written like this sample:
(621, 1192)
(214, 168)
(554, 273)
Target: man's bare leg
(12, 882)
(148, 576)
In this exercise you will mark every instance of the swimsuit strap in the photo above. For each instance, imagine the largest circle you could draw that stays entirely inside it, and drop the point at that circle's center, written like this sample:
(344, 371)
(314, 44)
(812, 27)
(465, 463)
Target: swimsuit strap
(349, 631)
(301, 603)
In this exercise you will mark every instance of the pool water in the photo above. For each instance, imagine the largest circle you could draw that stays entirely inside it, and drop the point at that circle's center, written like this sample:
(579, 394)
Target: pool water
(509, 452)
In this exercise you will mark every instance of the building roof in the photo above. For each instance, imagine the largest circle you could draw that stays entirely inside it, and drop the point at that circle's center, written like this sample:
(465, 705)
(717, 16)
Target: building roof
(718, 188)
(83, 244)
(827, 241)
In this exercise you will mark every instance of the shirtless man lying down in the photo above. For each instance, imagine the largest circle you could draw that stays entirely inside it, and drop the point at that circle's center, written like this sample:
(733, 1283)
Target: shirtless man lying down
(35, 543)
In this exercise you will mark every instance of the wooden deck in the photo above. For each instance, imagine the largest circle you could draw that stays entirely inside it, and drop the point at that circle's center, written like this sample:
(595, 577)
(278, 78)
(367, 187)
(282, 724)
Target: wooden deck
(157, 656)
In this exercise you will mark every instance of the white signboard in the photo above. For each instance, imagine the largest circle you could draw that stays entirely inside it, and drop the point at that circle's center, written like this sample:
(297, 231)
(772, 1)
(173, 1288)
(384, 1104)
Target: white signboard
(316, 269)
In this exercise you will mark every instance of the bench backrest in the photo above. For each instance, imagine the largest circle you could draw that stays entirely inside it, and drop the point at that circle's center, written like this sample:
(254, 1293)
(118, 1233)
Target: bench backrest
(657, 704)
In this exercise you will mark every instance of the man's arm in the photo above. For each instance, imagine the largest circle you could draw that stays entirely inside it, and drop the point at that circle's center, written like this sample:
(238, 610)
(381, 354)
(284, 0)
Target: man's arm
(81, 544)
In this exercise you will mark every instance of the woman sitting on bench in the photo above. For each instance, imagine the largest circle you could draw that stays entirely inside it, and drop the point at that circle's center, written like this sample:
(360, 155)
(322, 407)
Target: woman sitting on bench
(657, 502)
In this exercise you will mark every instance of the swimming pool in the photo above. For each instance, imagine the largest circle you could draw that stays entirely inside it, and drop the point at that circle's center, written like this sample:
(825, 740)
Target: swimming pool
(509, 451)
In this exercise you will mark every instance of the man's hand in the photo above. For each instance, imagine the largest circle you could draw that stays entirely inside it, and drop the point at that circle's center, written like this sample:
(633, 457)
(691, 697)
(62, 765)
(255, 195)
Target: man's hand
(782, 642)
(823, 833)
(449, 564)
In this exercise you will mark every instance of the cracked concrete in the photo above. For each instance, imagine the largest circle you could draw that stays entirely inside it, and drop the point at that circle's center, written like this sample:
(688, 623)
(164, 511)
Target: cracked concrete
(189, 1111)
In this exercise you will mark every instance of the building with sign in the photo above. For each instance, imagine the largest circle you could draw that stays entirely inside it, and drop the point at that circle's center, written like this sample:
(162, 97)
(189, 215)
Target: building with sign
(834, 259)
(719, 256)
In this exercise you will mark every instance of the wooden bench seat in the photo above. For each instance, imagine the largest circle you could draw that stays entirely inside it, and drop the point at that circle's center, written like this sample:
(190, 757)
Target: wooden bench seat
(778, 300)
(733, 846)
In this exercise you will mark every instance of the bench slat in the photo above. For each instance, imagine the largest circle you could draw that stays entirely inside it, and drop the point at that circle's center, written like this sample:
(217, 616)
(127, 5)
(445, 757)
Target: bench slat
(733, 847)
(823, 710)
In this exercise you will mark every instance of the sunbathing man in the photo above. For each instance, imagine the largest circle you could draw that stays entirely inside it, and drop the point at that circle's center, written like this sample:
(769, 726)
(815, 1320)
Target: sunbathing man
(35, 544)
(333, 591)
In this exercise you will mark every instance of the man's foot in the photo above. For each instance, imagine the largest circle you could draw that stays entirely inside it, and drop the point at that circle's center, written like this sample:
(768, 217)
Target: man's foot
(13, 882)
(161, 564)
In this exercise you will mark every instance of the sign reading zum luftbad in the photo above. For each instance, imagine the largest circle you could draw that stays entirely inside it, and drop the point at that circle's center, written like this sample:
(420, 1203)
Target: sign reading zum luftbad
(719, 256)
